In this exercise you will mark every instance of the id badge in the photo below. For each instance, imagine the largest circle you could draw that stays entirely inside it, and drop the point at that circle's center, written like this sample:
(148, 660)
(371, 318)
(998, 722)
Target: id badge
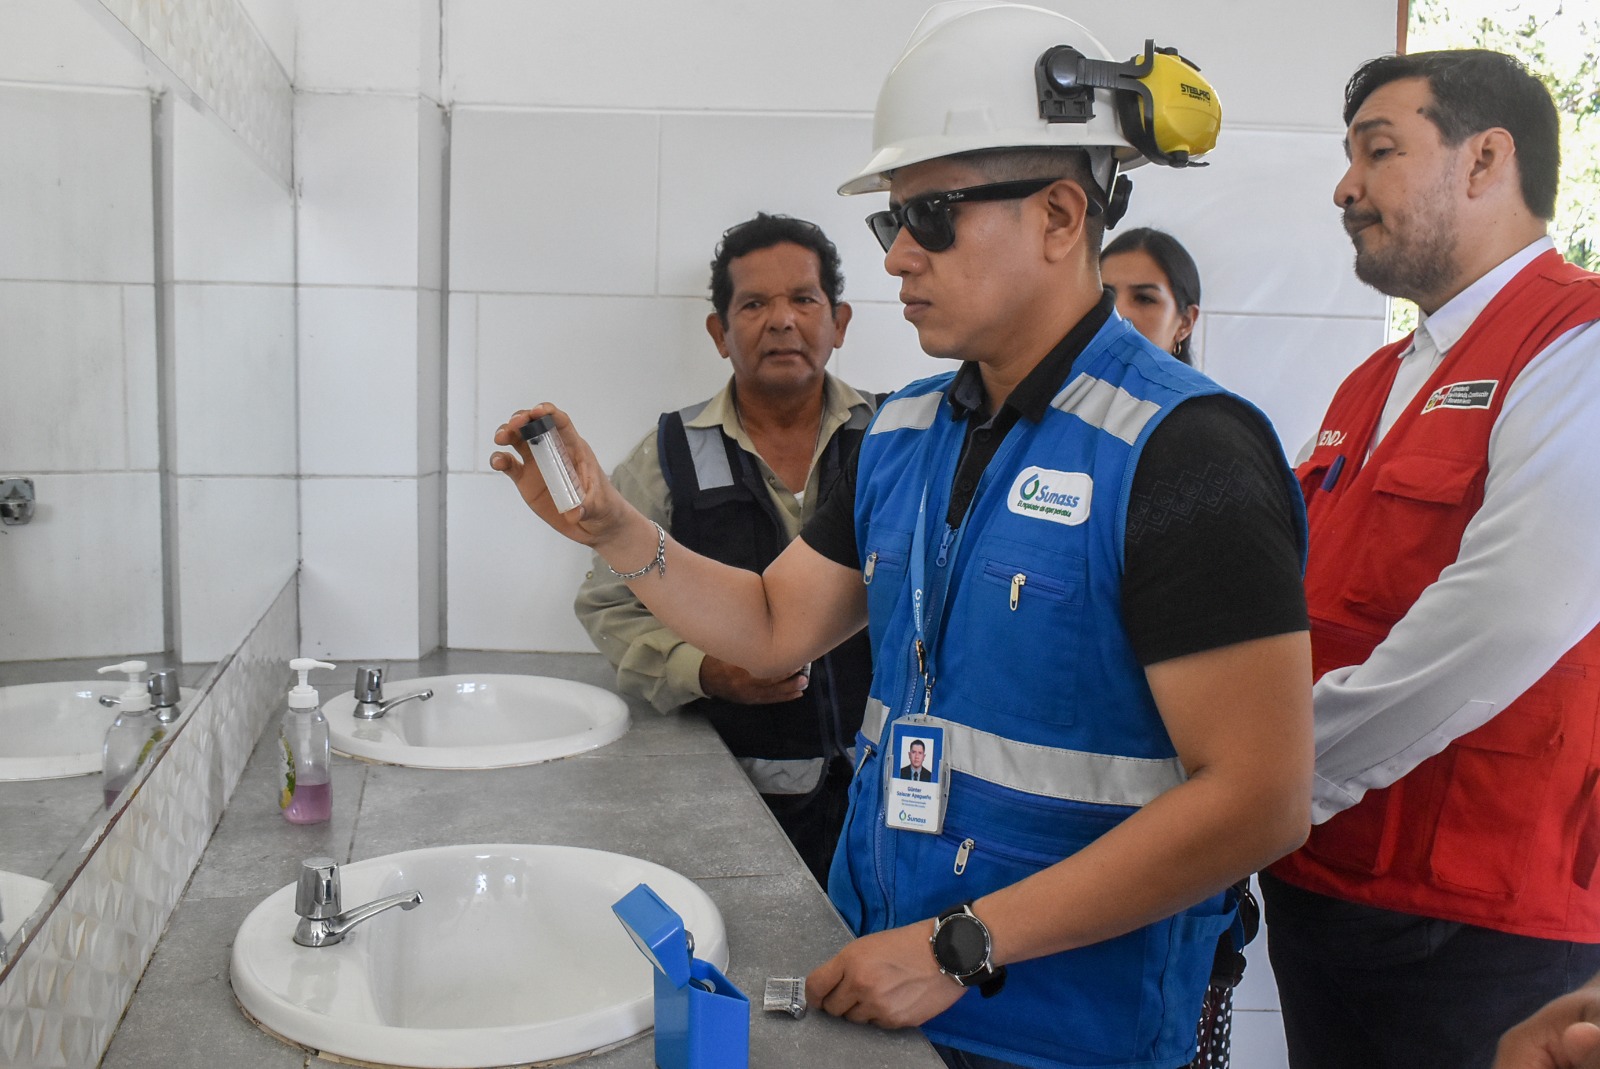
(917, 777)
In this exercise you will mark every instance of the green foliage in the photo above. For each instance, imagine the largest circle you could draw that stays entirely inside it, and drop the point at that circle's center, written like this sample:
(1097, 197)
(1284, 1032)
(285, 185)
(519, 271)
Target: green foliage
(1559, 40)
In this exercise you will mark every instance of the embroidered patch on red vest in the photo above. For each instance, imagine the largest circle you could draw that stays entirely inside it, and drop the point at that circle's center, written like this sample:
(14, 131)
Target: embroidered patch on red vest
(1462, 395)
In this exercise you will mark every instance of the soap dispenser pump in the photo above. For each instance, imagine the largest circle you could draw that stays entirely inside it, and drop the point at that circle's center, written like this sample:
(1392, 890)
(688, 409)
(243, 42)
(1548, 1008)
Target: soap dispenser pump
(306, 779)
(132, 735)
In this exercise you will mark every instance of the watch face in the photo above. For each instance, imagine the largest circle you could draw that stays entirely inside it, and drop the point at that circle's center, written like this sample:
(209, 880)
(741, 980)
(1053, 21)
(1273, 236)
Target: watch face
(961, 945)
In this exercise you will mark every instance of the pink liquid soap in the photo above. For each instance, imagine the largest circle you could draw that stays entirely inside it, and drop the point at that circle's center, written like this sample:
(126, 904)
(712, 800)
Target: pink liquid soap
(312, 803)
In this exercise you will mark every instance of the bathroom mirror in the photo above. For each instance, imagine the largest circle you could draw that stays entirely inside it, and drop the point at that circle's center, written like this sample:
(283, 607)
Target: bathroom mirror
(95, 391)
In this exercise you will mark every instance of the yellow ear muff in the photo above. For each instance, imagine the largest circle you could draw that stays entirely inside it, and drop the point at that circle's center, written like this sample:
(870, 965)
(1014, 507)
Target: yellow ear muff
(1175, 116)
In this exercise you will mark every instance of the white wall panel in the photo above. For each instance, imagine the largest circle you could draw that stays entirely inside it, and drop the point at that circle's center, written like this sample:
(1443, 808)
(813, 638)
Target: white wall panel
(832, 55)
(139, 362)
(512, 579)
(613, 363)
(1261, 225)
(359, 589)
(84, 578)
(718, 170)
(358, 381)
(237, 545)
(77, 185)
(231, 221)
(463, 429)
(235, 369)
(370, 45)
(64, 44)
(880, 350)
(275, 21)
(1288, 365)
(356, 165)
(552, 202)
(66, 400)
(432, 163)
(751, 56)
(430, 383)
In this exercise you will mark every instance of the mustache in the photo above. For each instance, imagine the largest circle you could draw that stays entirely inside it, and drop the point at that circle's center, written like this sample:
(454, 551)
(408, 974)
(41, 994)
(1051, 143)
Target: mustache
(1354, 220)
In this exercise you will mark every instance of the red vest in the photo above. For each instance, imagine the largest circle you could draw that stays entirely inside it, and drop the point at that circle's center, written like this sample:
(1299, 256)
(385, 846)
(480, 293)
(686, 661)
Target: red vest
(1501, 829)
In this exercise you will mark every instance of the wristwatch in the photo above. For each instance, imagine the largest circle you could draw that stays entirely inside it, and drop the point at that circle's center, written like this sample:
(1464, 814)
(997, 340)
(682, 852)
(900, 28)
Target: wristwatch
(961, 947)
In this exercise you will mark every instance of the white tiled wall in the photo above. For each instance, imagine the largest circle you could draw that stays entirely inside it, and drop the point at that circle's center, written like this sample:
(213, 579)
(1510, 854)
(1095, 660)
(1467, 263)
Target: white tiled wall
(231, 350)
(78, 361)
(370, 142)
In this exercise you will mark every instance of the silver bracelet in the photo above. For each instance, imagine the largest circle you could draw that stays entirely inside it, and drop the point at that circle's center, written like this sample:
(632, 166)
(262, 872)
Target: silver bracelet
(659, 564)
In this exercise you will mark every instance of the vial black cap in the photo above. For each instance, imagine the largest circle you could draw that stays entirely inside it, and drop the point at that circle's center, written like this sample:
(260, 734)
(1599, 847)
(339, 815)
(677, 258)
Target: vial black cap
(537, 428)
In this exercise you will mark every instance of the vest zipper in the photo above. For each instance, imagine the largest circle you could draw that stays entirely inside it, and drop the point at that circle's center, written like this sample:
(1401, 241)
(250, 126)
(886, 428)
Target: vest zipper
(1018, 581)
(872, 564)
(944, 545)
(866, 752)
(961, 854)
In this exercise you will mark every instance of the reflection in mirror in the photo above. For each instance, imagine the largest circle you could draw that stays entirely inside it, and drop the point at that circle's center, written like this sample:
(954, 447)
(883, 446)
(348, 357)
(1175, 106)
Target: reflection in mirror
(146, 292)
(83, 577)
(54, 801)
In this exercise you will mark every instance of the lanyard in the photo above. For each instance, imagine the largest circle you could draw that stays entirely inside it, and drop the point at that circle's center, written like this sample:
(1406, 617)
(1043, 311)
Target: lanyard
(927, 600)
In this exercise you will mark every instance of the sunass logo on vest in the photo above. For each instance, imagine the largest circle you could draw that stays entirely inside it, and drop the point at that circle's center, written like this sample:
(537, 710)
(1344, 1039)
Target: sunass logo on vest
(1462, 395)
(1057, 496)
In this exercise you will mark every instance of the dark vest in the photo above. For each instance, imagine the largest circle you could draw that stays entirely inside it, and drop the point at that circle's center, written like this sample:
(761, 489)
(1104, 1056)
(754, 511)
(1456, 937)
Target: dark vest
(721, 509)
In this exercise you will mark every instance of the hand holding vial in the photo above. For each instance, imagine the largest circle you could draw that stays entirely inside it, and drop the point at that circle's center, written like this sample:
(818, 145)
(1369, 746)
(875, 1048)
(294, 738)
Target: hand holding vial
(577, 499)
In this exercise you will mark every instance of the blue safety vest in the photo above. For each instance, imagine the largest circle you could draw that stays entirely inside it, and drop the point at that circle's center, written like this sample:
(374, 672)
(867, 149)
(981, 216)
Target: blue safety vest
(1052, 737)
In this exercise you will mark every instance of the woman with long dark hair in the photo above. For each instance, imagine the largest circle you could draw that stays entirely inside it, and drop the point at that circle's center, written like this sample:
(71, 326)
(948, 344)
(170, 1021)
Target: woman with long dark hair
(1157, 287)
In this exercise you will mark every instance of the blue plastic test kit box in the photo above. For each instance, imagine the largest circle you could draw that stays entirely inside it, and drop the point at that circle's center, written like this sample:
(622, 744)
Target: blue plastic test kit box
(702, 1019)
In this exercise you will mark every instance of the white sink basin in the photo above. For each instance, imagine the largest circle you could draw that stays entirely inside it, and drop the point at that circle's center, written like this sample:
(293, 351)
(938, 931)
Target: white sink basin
(53, 730)
(19, 897)
(514, 956)
(480, 721)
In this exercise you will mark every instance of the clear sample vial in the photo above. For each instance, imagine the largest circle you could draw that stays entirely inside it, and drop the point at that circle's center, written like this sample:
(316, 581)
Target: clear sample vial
(551, 456)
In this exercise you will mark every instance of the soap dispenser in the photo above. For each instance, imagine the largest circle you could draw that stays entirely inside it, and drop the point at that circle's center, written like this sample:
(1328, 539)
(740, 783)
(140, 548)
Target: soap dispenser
(132, 735)
(306, 780)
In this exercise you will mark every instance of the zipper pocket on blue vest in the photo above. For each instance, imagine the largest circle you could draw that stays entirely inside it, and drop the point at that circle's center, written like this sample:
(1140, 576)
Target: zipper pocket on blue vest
(1016, 580)
(870, 566)
(967, 846)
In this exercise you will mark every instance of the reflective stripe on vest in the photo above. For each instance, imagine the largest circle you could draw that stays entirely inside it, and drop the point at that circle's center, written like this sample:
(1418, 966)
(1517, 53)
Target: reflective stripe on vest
(1049, 771)
(1106, 406)
(710, 457)
(908, 413)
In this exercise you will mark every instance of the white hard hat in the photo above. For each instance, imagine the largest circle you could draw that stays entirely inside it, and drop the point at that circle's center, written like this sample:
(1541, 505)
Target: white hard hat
(966, 82)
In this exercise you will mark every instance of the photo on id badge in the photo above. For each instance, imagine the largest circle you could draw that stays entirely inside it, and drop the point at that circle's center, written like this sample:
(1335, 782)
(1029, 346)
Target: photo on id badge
(916, 795)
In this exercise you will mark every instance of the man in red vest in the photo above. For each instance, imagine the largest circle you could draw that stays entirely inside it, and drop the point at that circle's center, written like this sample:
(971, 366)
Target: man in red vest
(1450, 887)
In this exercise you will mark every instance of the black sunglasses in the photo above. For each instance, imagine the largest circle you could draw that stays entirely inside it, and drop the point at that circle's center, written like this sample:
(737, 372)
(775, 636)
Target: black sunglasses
(927, 215)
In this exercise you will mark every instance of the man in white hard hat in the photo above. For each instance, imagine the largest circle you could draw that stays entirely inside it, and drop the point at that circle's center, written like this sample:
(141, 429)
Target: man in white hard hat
(1079, 561)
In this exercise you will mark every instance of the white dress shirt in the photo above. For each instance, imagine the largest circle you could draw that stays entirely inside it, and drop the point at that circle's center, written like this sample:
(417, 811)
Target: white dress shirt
(1524, 588)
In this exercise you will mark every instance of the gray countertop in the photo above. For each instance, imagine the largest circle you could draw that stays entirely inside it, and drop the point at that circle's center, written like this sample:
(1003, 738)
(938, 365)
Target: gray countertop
(667, 791)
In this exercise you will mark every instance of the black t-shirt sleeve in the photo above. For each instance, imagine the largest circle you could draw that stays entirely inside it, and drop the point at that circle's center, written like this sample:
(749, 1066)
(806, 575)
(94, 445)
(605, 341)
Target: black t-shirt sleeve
(1212, 554)
(831, 531)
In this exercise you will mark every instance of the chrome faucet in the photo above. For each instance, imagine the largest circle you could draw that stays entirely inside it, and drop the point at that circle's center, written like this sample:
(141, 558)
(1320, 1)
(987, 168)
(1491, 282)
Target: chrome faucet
(316, 900)
(164, 694)
(163, 688)
(370, 703)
